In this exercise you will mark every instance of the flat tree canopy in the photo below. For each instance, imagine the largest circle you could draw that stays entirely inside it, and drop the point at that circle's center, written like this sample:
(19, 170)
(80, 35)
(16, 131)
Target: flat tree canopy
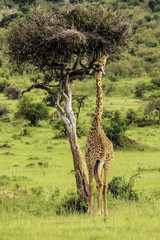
(55, 40)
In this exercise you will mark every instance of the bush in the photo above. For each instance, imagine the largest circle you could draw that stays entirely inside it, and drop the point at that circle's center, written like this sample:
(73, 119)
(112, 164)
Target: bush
(148, 18)
(13, 92)
(115, 129)
(131, 116)
(156, 81)
(50, 100)
(81, 128)
(74, 1)
(24, 2)
(119, 188)
(140, 89)
(60, 129)
(37, 77)
(69, 203)
(10, 18)
(152, 111)
(25, 9)
(3, 85)
(3, 110)
(32, 111)
(56, 1)
(152, 4)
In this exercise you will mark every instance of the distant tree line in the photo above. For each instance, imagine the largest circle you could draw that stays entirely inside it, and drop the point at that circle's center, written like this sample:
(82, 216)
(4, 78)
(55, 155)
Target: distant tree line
(24, 1)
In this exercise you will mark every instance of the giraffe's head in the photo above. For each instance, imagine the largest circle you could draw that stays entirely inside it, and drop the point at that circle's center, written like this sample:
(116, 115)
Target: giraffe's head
(100, 65)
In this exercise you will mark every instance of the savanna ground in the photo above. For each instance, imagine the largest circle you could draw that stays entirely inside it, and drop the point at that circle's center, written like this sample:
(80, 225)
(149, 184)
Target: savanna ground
(37, 176)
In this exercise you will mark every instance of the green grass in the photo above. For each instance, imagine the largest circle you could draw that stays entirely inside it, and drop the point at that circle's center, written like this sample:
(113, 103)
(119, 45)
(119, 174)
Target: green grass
(127, 221)
(37, 165)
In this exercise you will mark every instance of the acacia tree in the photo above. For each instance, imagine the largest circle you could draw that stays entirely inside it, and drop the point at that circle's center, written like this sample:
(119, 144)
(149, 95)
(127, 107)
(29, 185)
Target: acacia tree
(66, 44)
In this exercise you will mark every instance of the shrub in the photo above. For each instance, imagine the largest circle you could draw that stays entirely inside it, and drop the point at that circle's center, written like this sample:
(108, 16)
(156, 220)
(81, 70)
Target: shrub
(25, 9)
(59, 128)
(148, 18)
(140, 89)
(156, 81)
(144, 121)
(74, 1)
(131, 116)
(152, 111)
(152, 4)
(23, 2)
(115, 129)
(13, 92)
(81, 128)
(69, 203)
(50, 100)
(37, 77)
(32, 111)
(10, 18)
(3, 110)
(3, 85)
(48, 77)
(56, 1)
(119, 188)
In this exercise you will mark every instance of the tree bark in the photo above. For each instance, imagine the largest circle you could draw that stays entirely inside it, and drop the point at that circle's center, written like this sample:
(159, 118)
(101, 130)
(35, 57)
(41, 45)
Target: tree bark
(69, 119)
(79, 166)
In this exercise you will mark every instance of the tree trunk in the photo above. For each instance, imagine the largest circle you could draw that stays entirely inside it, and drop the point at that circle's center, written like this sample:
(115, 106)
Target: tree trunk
(79, 166)
(69, 119)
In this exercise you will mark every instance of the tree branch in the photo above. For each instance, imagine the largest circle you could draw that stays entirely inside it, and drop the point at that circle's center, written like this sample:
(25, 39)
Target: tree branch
(80, 74)
(38, 85)
(76, 62)
(57, 103)
(60, 110)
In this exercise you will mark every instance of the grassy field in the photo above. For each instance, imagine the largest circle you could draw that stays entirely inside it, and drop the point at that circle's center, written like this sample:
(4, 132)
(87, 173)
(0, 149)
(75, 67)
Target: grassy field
(36, 165)
(126, 221)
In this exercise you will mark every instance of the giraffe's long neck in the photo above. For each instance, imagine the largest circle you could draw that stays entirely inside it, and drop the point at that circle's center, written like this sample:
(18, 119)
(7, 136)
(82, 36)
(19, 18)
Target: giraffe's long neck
(99, 100)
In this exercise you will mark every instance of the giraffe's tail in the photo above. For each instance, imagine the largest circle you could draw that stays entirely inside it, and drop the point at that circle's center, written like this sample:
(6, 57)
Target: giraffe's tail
(96, 168)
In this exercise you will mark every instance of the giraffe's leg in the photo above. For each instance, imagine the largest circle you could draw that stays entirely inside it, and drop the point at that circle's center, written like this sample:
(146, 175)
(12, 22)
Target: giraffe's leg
(102, 174)
(107, 169)
(98, 176)
(106, 177)
(100, 189)
(90, 192)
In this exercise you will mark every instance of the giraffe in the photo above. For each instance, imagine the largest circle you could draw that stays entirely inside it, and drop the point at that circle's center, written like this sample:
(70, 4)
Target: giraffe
(99, 149)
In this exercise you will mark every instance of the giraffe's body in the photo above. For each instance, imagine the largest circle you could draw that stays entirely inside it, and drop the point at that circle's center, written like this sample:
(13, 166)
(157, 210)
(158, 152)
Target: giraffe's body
(99, 149)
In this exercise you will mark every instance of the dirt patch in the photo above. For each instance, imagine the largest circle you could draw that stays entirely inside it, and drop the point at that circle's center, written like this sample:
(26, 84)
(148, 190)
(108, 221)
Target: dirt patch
(9, 194)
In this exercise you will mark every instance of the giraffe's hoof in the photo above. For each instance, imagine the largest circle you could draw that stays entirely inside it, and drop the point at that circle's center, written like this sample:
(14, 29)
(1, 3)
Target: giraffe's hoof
(89, 212)
(99, 213)
(106, 214)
